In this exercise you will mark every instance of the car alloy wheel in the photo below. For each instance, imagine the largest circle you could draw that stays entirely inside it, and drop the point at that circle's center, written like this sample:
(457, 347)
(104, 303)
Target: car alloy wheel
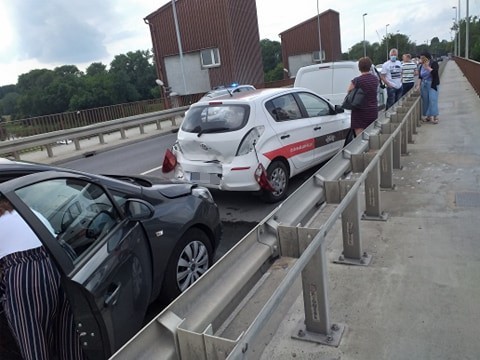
(192, 256)
(193, 262)
(278, 177)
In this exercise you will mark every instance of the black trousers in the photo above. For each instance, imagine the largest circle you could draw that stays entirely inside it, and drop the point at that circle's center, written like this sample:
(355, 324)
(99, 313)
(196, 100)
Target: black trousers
(36, 307)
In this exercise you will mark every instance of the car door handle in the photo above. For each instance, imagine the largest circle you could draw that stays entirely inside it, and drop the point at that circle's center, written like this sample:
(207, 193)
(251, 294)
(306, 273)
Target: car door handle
(317, 128)
(112, 294)
(284, 137)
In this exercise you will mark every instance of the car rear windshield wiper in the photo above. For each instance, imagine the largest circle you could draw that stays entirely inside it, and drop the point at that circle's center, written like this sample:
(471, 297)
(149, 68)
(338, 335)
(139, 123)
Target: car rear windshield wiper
(212, 130)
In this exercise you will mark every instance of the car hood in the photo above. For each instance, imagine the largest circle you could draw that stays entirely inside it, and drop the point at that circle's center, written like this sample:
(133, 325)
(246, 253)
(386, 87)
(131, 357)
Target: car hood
(220, 147)
(170, 188)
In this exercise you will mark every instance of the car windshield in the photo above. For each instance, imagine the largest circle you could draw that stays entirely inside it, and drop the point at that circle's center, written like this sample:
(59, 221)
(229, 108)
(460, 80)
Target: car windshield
(215, 118)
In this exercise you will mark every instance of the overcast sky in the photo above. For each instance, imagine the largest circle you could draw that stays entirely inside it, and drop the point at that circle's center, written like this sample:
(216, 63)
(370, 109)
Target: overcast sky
(48, 33)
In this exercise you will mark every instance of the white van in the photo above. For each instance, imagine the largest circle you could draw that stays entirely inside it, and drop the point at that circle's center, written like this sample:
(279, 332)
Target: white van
(331, 80)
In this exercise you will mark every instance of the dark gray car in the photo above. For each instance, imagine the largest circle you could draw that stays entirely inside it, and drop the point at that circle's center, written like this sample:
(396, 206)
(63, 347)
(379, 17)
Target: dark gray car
(120, 242)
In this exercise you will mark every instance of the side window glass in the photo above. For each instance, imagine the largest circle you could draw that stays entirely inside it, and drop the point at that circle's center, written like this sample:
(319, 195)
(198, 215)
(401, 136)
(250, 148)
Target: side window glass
(314, 105)
(78, 213)
(284, 108)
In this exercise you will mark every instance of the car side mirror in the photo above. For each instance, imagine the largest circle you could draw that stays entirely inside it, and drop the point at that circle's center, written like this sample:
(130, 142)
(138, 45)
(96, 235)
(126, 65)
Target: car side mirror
(137, 209)
(339, 109)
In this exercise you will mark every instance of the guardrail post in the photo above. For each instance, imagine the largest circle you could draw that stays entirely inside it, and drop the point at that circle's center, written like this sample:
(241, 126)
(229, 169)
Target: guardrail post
(413, 114)
(101, 138)
(123, 133)
(142, 129)
(316, 327)
(402, 112)
(386, 160)
(159, 124)
(373, 208)
(352, 253)
(76, 141)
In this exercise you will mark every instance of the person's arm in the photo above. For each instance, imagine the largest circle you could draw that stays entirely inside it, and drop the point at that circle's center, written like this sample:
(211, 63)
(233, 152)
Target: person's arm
(385, 81)
(350, 86)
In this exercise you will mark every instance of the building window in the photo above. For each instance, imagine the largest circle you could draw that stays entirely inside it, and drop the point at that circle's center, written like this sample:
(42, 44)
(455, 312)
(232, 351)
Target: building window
(316, 55)
(210, 57)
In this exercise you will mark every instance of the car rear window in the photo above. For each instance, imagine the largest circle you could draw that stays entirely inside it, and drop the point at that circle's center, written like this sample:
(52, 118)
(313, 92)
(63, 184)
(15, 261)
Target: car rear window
(216, 118)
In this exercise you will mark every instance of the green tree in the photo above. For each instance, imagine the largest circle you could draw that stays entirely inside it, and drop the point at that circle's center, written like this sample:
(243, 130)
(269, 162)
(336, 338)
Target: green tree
(137, 71)
(271, 55)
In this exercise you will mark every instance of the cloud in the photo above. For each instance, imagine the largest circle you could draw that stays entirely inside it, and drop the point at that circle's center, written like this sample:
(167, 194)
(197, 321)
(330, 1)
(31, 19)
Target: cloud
(57, 31)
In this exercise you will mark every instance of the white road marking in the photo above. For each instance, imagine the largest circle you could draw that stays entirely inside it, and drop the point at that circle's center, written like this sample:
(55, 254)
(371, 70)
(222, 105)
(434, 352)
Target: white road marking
(151, 170)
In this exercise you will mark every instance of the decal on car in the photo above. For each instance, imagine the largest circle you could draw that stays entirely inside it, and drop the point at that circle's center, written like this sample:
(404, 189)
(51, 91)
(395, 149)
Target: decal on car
(304, 146)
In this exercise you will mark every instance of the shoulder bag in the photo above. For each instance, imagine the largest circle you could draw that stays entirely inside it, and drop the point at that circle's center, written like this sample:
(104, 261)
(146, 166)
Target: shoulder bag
(354, 99)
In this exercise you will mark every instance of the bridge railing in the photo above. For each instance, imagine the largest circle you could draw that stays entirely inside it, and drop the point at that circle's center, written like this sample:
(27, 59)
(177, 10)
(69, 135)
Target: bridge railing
(205, 322)
(471, 70)
(49, 140)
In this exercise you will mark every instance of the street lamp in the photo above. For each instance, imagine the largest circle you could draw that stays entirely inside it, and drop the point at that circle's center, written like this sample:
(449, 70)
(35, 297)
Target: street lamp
(364, 44)
(459, 44)
(319, 35)
(455, 29)
(467, 31)
(396, 36)
(386, 39)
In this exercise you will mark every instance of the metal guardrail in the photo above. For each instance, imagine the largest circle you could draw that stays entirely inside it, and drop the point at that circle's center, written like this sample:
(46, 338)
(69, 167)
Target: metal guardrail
(470, 69)
(197, 325)
(49, 140)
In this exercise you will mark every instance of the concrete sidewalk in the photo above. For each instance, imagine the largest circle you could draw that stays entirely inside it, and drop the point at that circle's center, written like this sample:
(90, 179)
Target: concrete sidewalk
(420, 296)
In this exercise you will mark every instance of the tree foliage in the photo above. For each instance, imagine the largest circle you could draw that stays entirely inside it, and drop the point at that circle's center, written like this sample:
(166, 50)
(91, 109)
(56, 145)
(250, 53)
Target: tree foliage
(130, 77)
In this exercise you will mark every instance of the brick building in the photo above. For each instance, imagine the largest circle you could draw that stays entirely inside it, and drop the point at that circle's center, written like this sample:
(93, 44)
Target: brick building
(300, 44)
(219, 41)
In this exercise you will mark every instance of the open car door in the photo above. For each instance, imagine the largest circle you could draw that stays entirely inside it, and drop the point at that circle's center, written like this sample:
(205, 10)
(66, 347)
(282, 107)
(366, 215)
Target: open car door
(104, 255)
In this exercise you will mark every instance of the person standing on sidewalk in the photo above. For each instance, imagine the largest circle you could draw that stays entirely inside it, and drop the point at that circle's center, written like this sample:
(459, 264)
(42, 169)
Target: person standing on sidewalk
(429, 83)
(392, 77)
(409, 71)
(35, 305)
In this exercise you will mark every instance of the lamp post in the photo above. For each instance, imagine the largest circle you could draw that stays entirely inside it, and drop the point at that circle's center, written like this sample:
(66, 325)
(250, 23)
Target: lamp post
(459, 43)
(455, 29)
(396, 37)
(179, 41)
(467, 35)
(364, 44)
(319, 35)
(386, 39)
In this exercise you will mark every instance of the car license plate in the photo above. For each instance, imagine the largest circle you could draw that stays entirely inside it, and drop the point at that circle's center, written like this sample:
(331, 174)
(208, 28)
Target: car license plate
(205, 178)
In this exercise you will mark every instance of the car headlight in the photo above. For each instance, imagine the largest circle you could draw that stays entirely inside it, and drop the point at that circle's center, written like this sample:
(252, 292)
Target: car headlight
(249, 140)
(203, 193)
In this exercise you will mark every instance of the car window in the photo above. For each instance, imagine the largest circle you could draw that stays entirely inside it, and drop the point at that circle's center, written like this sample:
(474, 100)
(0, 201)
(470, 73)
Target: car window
(284, 108)
(216, 118)
(314, 105)
(78, 213)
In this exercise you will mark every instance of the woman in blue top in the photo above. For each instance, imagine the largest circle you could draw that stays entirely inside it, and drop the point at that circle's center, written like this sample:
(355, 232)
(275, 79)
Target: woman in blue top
(429, 86)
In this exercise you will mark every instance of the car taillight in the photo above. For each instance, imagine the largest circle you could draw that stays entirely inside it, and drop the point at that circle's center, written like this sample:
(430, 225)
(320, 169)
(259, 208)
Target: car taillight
(261, 177)
(169, 161)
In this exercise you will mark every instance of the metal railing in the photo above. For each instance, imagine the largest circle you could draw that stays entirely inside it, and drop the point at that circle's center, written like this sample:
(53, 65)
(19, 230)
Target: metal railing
(471, 70)
(199, 323)
(48, 140)
(62, 121)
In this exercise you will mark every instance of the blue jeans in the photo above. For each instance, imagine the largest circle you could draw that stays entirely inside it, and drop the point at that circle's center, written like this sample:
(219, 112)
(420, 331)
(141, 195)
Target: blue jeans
(393, 95)
(429, 98)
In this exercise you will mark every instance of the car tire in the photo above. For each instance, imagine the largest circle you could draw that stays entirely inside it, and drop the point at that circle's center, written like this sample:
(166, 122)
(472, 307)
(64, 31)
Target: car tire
(192, 257)
(278, 175)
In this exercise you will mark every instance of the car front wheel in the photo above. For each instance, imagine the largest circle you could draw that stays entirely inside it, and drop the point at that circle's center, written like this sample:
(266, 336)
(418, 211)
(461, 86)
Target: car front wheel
(191, 258)
(278, 176)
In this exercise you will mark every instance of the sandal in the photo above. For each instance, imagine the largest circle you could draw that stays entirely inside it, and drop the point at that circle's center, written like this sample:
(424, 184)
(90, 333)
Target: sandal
(427, 119)
(435, 120)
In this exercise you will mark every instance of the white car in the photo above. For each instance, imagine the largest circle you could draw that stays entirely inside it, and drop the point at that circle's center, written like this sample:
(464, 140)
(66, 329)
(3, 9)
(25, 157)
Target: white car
(256, 140)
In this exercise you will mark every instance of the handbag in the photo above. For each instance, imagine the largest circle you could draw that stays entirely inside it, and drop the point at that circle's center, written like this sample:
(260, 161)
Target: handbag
(354, 98)
(380, 81)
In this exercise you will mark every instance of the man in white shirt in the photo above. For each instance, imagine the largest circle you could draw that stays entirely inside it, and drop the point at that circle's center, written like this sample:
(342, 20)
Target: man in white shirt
(392, 77)
(409, 71)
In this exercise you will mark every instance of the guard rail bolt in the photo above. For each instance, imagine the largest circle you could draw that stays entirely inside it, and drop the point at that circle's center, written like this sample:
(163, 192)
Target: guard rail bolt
(335, 327)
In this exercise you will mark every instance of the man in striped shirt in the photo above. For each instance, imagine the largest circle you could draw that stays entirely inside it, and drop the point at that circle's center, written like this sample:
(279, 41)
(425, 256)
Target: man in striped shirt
(409, 71)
